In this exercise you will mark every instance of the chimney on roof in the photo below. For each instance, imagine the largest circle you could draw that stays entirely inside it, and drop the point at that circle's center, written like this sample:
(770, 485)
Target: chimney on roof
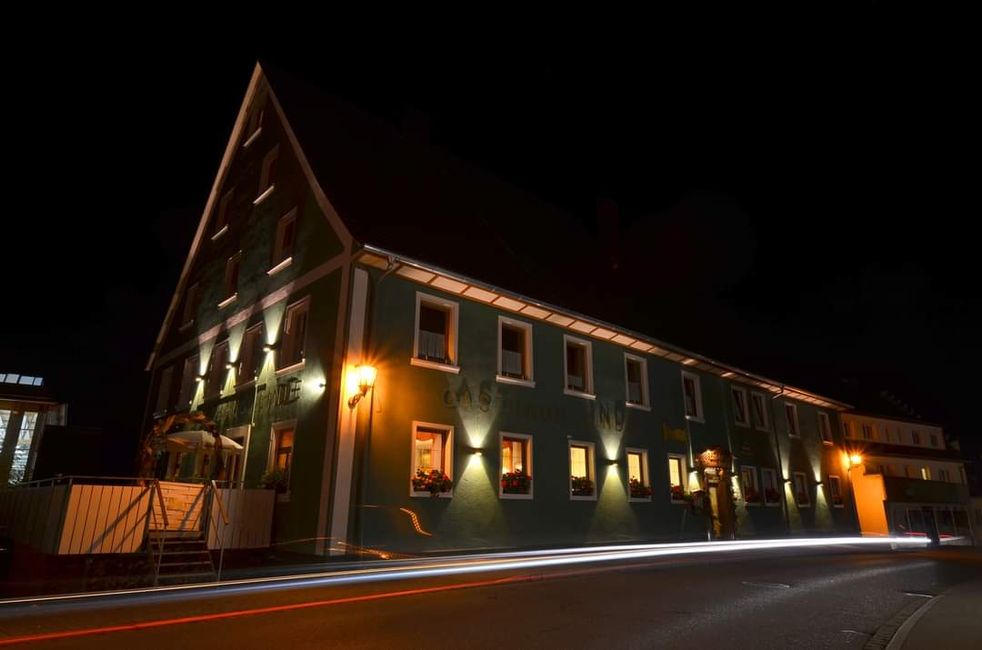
(415, 126)
(609, 232)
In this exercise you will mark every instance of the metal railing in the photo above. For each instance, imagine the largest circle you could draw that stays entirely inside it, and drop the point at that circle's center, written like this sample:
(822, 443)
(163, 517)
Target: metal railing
(220, 532)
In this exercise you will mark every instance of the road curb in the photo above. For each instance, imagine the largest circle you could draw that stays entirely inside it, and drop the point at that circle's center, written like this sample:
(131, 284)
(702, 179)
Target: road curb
(892, 634)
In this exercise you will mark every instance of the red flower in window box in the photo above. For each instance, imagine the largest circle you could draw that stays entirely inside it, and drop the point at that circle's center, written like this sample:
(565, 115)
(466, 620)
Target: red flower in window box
(678, 493)
(750, 495)
(771, 496)
(638, 489)
(581, 486)
(517, 482)
(433, 482)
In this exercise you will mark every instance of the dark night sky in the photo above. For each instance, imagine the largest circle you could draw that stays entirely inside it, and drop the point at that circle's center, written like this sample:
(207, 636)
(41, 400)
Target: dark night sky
(799, 208)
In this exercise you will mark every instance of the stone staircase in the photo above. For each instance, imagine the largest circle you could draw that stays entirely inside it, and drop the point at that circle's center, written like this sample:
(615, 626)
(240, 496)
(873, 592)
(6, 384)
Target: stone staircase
(181, 559)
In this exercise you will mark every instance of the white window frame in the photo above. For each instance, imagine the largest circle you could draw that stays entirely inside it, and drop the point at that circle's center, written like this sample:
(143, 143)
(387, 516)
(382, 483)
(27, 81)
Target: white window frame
(221, 215)
(281, 259)
(645, 474)
(528, 470)
(588, 370)
(453, 321)
(287, 335)
(259, 357)
(231, 292)
(868, 428)
(755, 486)
(267, 184)
(838, 482)
(217, 371)
(192, 299)
(645, 403)
(684, 464)
(825, 433)
(763, 487)
(915, 438)
(529, 369)
(165, 383)
(697, 386)
(795, 430)
(189, 382)
(591, 461)
(448, 456)
(766, 425)
(847, 429)
(734, 392)
(274, 434)
(794, 488)
(255, 126)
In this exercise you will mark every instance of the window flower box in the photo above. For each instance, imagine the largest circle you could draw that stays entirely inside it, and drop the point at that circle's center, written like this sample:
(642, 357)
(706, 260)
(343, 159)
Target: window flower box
(751, 496)
(838, 501)
(434, 482)
(678, 493)
(517, 482)
(581, 486)
(638, 489)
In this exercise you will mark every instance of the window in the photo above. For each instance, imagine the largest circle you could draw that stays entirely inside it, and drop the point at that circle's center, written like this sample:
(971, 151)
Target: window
(516, 466)
(835, 492)
(749, 485)
(514, 352)
(847, 429)
(255, 126)
(286, 234)
(222, 215)
(801, 490)
(432, 460)
(825, 428)
(218, 371)
(191, 299)
(772, 496)
(791, 415)
(4, 423)
(435, 344)
(282, 460)
(22, 450)
(578, 366)
(926, 473)
(294, 335)
(249, 355)
(740, 414)
(231, 279)
(867, 432)
(692, 394)
(943, 475)
(638, 479)
(582, 471)
(758, 405)
(189, 379)
(636, 381)
(934, 440)
(163, 389)
(676, 477)
(267, 174)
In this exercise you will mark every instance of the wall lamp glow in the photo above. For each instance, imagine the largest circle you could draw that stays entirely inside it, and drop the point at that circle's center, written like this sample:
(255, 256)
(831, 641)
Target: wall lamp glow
(199, 378)
(855, 459)
(229, 365)
(269, 347)
(477, 451)
(612, 462)
(365, 375)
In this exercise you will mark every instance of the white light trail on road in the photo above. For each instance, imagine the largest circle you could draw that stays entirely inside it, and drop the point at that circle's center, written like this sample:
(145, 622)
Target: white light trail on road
(469, 564)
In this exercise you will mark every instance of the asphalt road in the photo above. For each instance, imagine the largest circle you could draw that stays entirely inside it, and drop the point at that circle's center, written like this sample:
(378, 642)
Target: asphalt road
(809, 598)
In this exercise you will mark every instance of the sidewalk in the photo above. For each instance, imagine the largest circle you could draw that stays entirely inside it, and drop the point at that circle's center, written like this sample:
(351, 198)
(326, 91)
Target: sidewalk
(952, 620)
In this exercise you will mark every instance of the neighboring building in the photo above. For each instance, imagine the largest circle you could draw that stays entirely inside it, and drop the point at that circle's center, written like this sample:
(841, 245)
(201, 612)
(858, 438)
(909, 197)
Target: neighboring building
(907, 480)
(342, 317)
(26, 407)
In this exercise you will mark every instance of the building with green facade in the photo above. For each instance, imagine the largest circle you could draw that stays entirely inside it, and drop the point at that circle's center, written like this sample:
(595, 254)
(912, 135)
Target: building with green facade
(405, 360)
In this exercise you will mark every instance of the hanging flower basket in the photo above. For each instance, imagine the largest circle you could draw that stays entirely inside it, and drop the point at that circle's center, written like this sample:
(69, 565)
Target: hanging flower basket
(434, 482)
(517, 482)
(581, 486)
(638, 489)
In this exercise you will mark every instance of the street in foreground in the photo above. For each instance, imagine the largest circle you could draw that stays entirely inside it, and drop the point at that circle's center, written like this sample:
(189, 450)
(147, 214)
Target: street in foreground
(819, 597)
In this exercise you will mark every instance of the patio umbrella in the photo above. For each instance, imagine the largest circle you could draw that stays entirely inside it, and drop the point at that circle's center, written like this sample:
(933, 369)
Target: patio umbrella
(195, 439)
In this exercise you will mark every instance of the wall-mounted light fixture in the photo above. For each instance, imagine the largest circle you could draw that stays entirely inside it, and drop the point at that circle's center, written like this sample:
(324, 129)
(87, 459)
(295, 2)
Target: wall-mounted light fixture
(229, 365)
(477, 451)
(855, 459)
(199, 378)
(269, 347)
(365, 376)
(612, 461)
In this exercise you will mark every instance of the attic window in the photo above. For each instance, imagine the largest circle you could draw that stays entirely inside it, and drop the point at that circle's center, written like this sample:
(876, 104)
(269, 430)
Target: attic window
(255, 126)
